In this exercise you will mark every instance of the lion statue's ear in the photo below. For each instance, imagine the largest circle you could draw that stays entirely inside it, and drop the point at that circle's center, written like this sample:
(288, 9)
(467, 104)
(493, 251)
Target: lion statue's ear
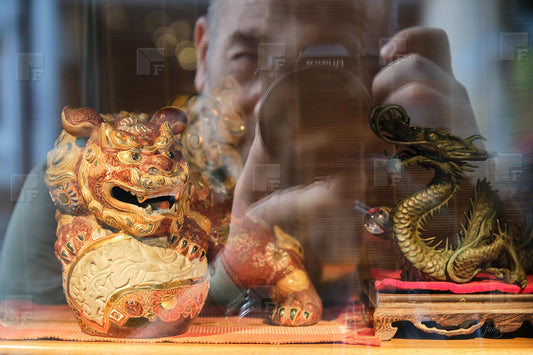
(80, 122)
(176, 118)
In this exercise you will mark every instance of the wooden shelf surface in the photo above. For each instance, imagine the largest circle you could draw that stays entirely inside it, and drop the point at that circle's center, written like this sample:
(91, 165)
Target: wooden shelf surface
(396, 346)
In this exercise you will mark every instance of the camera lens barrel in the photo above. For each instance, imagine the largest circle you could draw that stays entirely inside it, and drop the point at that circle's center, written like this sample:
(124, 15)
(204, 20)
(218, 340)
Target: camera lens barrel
(320, 95)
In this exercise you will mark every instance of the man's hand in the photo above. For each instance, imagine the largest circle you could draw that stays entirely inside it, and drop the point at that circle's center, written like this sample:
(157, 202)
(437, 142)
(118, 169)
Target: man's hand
(421, 79)
(279, 206)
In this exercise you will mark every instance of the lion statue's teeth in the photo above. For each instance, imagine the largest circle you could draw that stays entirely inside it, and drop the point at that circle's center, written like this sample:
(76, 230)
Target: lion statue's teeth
(148, 210)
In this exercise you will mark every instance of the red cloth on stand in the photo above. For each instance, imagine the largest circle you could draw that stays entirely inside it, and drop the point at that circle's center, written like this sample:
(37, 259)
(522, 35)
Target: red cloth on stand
(389, 280)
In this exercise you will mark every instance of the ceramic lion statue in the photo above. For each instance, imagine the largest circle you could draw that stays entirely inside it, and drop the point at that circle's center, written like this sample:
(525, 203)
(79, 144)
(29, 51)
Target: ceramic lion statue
(130, 246)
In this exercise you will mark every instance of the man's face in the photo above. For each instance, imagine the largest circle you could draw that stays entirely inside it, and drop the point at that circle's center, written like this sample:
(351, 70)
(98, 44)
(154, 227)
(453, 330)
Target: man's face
(233, 53)
(244, 29)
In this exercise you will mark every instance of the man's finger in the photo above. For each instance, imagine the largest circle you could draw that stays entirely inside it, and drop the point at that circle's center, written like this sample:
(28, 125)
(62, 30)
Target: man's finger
(287, 205)
(245, 194)
(431, 43)
(411, 68)
(430, 108)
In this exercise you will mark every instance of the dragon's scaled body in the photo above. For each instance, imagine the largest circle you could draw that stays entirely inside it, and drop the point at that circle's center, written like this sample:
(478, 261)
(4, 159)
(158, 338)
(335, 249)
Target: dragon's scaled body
(484, 243)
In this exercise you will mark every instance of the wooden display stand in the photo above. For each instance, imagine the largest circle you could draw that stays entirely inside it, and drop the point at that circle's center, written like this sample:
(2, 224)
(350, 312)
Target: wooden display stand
(449, 314)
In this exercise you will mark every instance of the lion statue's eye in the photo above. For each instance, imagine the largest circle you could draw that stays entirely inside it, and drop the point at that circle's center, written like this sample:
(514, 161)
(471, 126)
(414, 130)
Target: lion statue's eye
(172, 154)
(129, 157)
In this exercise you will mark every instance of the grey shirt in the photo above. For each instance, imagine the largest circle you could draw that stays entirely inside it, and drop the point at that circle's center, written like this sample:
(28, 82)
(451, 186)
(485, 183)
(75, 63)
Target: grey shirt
(28, 266)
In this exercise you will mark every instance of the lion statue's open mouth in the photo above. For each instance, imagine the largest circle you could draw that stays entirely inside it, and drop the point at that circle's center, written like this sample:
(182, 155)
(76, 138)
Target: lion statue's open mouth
(152, 204)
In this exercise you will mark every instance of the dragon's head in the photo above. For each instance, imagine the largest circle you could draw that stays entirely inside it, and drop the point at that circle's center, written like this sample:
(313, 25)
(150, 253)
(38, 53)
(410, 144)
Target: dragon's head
(125, 169)
(392, 124)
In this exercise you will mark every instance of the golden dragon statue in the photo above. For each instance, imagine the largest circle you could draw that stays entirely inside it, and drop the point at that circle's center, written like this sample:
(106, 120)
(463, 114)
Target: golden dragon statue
(484, 243)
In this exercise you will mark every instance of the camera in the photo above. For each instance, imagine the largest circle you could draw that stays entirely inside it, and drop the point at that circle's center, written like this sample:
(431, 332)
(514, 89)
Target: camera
(312, 111)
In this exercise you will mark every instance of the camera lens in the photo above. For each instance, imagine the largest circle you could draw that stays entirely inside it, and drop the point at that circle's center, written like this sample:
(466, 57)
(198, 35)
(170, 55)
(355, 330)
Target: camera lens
(312, 116)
